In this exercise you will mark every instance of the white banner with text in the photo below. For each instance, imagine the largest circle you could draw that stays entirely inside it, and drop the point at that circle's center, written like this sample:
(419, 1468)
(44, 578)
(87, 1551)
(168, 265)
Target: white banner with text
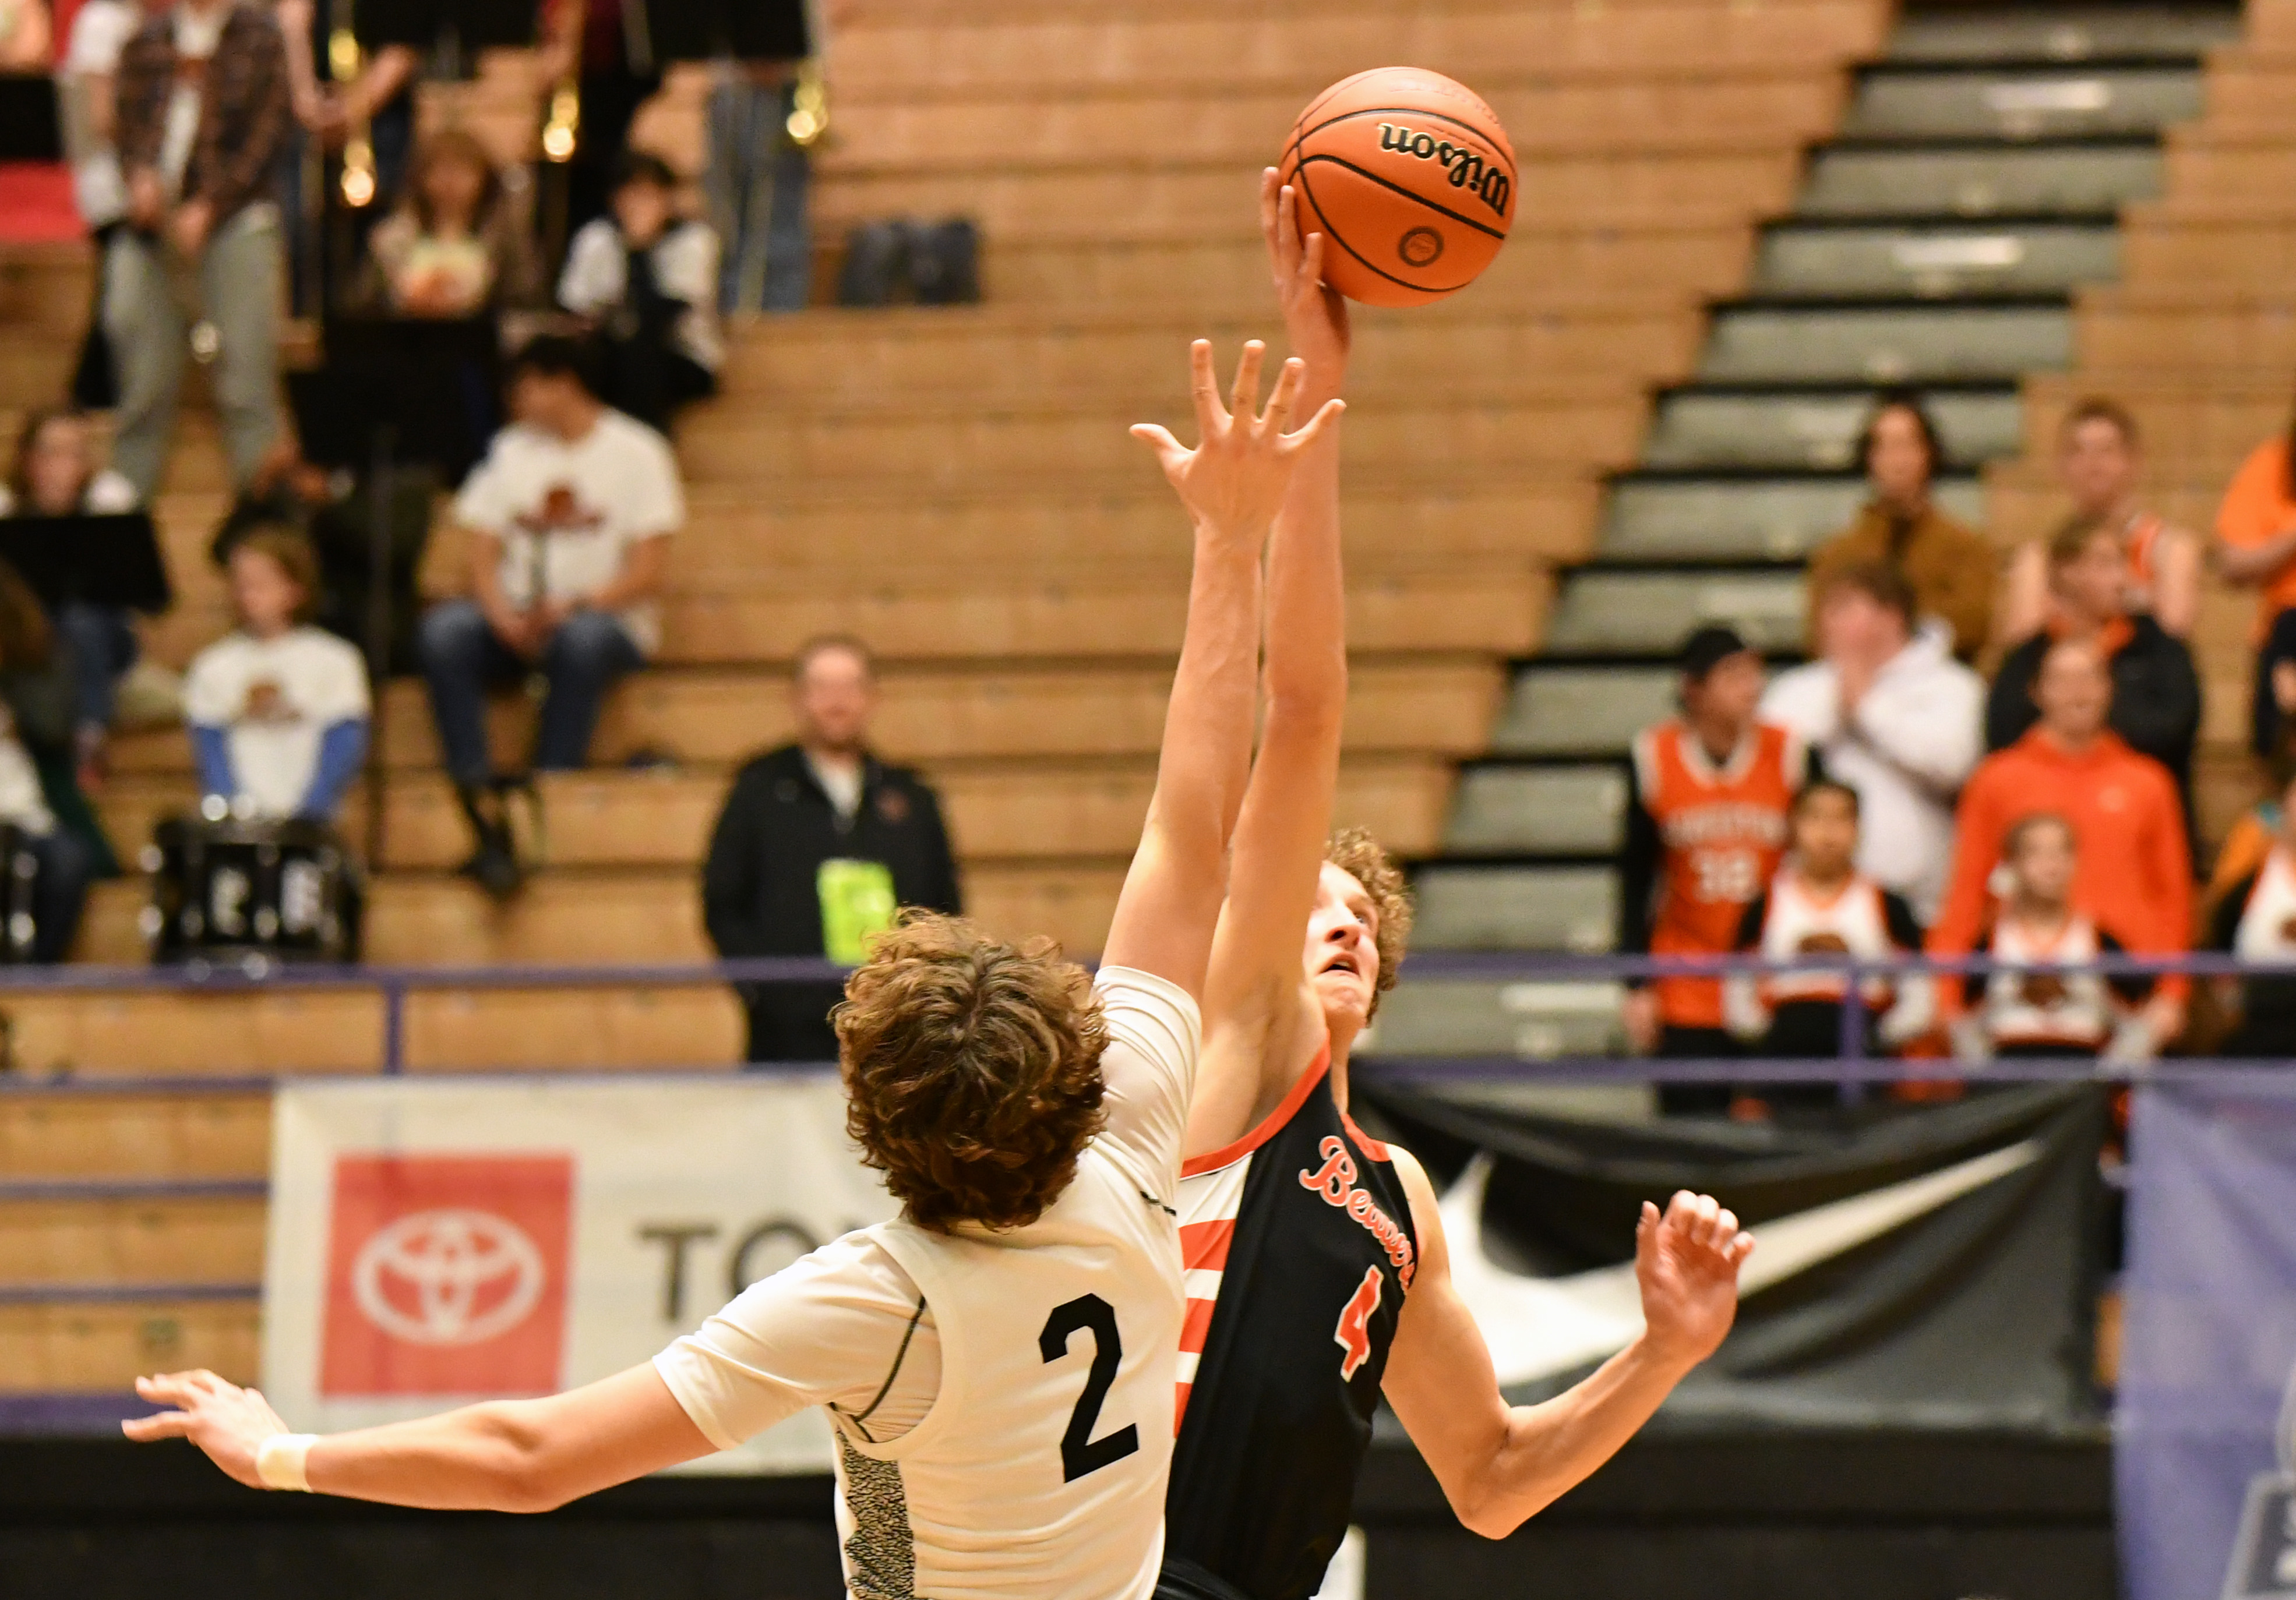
(438, 1241)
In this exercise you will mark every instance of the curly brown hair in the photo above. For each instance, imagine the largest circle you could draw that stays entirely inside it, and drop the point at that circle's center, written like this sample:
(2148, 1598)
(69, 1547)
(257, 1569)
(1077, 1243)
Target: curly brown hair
(1354, 852)
(972, 1071)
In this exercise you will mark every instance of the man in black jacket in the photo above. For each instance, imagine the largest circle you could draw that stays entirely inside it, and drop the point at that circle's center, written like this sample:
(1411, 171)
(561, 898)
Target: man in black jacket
(819, 843)
(2156, 693)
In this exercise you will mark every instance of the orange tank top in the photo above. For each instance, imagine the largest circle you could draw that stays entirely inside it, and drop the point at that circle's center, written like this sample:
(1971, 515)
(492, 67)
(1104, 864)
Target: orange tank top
(1722, 830)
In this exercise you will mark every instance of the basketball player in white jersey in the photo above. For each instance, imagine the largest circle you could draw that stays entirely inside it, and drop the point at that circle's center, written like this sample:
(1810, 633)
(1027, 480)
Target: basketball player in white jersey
(1318, 1278)
(997, 1362)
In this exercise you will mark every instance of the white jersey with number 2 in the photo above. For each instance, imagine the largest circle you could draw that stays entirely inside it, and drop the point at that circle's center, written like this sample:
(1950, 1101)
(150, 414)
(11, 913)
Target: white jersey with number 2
(1002, 1401)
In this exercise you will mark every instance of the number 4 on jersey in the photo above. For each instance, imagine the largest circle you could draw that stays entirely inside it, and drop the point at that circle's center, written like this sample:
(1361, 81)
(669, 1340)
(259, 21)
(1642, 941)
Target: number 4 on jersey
(1353, 1334)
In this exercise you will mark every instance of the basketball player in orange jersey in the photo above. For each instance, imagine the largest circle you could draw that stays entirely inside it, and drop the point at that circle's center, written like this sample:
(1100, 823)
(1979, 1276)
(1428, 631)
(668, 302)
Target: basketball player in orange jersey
(1707, 800)
(1317, 1273)
(997, 1363)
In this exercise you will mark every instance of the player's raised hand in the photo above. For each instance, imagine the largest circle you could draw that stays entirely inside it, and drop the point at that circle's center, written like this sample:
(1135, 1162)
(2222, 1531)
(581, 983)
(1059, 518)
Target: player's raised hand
(1686, 1261)
(1314, 315)
(1233, 481)
(228, 1422)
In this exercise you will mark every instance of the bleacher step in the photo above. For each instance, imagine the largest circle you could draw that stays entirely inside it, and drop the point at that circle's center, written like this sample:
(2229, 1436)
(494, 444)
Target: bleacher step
(1615, 613)
(1885, 344)
(1501, 809)
(1780, 518)
(2075, 180)
(1528, 907)
(1817, 261)
(1814, 430)
(1563, 710)
(2021, 101)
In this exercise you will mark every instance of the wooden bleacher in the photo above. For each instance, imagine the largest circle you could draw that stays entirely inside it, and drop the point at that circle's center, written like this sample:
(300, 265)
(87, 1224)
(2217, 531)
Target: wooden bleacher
(2198, 339)
(955, 484)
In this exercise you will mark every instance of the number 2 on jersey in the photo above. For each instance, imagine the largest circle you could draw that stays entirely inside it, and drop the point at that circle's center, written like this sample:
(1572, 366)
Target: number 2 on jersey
(1080, 1452)
(1353, 1334)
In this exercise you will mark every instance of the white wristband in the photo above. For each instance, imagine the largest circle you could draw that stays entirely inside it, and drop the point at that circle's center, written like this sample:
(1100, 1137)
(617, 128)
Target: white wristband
(280, 1459)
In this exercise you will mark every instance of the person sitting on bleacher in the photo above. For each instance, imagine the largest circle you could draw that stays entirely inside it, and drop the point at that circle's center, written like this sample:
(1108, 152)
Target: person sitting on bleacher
(2099, 463)
(2254, 918)
(278, 708)
(35, 711)
(457, 247)
(2122, 807)
(2156, 694)
(1949, 564)
(646, 282)
(2256, 546)
(1893, 715)
(55, 474)
(569, 516)
(2046, 1006)
(1819, 904)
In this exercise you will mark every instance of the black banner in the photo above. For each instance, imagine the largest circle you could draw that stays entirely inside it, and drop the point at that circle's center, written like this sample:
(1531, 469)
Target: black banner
(1933, 1268)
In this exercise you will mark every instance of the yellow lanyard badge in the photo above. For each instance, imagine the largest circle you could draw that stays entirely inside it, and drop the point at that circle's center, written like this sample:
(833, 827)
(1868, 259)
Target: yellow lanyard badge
(857, 903)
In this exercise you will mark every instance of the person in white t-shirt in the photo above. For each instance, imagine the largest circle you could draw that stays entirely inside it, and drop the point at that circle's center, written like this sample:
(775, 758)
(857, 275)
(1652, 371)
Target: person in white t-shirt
(278, 709)
(998, 1363)
(570, 516)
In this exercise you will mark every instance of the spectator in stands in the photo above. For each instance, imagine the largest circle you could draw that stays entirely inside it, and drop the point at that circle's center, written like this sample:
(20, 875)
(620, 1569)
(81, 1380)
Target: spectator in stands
(2253, 833)
(202, 117)
(759, 175)
(35, 714)
(2256, 545)
(570, 516)
(2098, 460)
(55, 474)
(2255, 918)
(1707, 794)
(24, 35)
(2047, 1006)
(602, 47)
(1895, 717)
(457, 246)
(373, 107)
(1820, 904)
(87, 98)
(278, 708)
(818, 843)
(2121, 806)
(1948, 564)
(2156, 694)
(646, 280)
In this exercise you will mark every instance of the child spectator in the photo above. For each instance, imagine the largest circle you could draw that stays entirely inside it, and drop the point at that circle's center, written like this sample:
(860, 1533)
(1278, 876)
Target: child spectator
(1948, 564)
(2156, 693)
(1893, 715)
(2122, 805)
(278, 708)
(55, 474)
(1820, 904)
(646, 280)
(2256, 545)
(457, 246)
(2099, 463)
(1707, 794)
(2255, 919)
(32, 712)
(2048, 1006)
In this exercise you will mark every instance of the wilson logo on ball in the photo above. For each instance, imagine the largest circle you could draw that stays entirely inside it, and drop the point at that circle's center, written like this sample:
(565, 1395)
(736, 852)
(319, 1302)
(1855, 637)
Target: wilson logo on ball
(1465, 167)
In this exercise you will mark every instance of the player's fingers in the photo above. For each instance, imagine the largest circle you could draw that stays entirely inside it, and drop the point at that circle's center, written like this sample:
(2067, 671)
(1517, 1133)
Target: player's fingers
(1203, 386)
(1283, 235)
(1289, 377)
(1725, 1228)
(1171, 454)
(1244, 400)
(1682, 1209)
(1708, 1210)
(1269, 205)
(1321, 423)
(1740, 1249)
(1311, 261)
(164, 1424)
(169, 1389)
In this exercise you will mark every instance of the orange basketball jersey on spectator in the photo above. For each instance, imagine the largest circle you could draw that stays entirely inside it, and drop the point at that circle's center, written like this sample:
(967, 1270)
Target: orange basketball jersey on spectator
(1722, 830)
(2259, 505)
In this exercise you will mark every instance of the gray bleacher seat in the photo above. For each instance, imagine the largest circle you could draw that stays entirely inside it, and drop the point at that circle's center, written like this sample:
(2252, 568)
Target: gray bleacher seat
(2060, 33)
(1746, 519)
(1536, 1021)
(1537, 810)
(1869, 262)
(1943, 344)
(1623, 613)
(2074, 180)
(1575, 711)
(1815, 430)
(2020, 103)
(1516, 908)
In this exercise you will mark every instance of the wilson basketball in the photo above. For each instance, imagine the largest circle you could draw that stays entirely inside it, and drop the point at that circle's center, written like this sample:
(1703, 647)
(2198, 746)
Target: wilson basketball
(1410, 179)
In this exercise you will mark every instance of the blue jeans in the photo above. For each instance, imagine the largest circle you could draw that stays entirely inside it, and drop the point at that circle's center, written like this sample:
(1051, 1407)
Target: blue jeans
(103, 645)
(462, 656)
(757, 184)
(59, 894)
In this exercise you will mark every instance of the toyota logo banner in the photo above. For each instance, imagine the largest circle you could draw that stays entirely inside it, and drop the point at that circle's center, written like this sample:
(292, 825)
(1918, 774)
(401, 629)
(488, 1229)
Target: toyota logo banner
(435, 1241)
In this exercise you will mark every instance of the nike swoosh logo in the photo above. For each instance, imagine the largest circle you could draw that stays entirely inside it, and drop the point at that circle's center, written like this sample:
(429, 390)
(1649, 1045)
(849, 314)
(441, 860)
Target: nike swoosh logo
(1539, 1327)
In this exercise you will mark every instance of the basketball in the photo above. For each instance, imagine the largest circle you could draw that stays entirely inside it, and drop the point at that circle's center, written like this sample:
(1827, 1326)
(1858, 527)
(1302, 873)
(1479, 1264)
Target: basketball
(1410, 179)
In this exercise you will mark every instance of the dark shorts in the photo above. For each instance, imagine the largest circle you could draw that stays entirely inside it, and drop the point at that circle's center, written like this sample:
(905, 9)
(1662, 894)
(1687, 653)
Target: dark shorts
(1183, 1579)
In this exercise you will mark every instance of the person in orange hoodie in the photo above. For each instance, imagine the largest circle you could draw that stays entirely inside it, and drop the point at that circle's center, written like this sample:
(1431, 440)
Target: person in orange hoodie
(2255, 547)
(2133, 873)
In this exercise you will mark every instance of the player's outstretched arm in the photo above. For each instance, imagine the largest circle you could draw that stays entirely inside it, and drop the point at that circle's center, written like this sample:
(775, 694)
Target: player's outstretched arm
(1499, 1463)
(1233, 484)
(503, 1456)
(1257, 1006)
